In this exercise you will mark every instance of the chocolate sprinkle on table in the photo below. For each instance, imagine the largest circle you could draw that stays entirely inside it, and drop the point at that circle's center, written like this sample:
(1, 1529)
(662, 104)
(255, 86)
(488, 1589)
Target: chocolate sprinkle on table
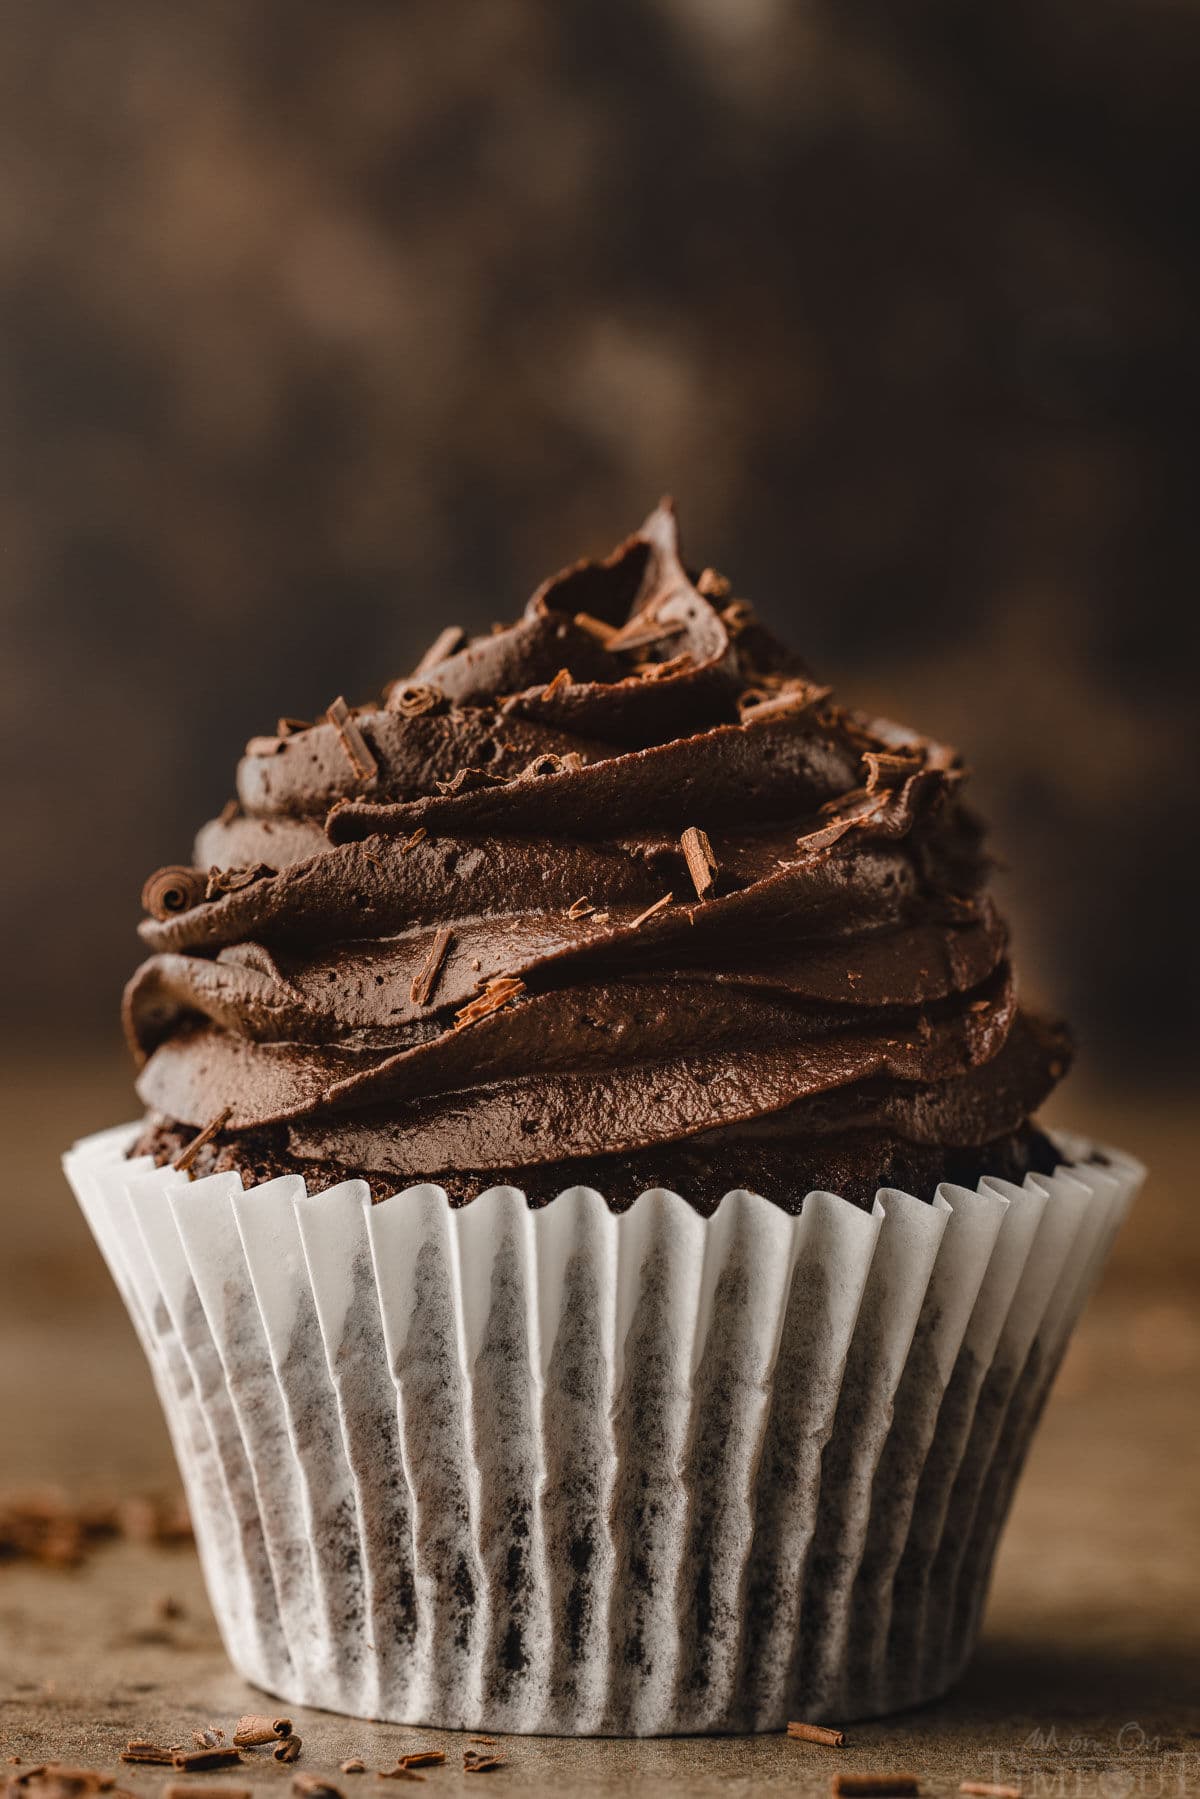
(816, 1733)
(195, 1761)
(255, 1729)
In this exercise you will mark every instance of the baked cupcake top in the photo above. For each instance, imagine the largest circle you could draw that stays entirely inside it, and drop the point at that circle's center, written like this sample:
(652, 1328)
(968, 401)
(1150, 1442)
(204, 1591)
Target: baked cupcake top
(616, 877)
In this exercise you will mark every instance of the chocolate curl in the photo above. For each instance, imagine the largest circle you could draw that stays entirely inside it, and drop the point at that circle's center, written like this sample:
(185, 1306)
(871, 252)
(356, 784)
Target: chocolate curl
(358, 752)
(173, 889)
(411, 698)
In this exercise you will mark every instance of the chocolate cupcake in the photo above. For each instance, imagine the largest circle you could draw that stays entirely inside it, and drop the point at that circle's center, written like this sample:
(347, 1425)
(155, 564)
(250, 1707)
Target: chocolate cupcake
(590, 1226)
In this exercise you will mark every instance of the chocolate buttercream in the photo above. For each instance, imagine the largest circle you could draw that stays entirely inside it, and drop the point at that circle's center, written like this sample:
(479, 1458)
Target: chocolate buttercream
(616, 884)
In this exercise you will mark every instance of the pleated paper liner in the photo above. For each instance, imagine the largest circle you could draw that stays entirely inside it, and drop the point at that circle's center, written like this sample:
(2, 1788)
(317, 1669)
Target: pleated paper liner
(572, 1472)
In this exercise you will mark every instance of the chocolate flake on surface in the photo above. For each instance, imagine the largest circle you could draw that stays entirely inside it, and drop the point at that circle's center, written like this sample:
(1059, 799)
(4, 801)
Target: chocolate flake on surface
(470, 780)
(477, 1761)
(187, 1155)
(255, 1729)
(596, 627)
(315, 1786)
(658, 906)
(499, 990)
(419, 1758)
(291, 727)
(580, 908)
(876, 1786)
(173, 889)
(447, 643)
(714, 585)
(231, 880)
(354, 1765)
(413, 698)
(352, 740)
(990, 1789)
(187, 1789)
(887, 770)
(147, 1752)
(429, 973)
(816, 1733)
(410, 843)
(793, 696)
(196, 1761)
(698, 853)
(553, 688)
(211, 1737)
(288, 1750)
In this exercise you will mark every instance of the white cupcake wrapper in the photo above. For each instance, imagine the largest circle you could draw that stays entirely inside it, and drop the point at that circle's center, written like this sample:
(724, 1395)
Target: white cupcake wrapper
(575, 1472)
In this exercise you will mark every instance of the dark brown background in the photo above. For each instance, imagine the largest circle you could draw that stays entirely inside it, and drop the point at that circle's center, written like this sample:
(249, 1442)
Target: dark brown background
(321, 326)
(324, 325)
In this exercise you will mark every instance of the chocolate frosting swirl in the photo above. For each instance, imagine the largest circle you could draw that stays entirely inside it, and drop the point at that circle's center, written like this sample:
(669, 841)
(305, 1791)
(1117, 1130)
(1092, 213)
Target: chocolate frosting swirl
(460, 930)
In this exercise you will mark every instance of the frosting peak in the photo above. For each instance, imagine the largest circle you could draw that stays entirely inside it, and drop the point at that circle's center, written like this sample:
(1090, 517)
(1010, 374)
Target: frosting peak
(618, 876)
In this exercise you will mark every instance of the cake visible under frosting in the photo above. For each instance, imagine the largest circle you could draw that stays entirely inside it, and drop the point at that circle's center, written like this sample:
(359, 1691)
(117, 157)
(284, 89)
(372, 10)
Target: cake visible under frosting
(618, 886)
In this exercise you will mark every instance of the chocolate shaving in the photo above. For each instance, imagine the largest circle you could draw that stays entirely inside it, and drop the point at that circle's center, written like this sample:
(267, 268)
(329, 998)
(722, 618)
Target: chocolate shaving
(420, 1758)
(231, 880)
(171, 890)
(737, 616)
(410, 843)
(553, 688)
(446, 643)
(412, 698)
(698, 853)
(650, 911)
(266, 746)
(188, 1153)
(146, 1752)
(470, 780)
(211, 1737)
(476, 1761)
(882, 1785)
(596, 627)
(255, 1729)
(499, 990)
(763, 702)
(713, 585)
(187, 1789)
(550, 764)
(288, 1750)
(989, 1789)
(315, 1786)
(352, 740)
(817, 1733)
(288, 727)
(580, 908)
(886, 770)
(195, 1761)
(355, 1765)
(600, 918)
(655, 671)
(426, 978)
